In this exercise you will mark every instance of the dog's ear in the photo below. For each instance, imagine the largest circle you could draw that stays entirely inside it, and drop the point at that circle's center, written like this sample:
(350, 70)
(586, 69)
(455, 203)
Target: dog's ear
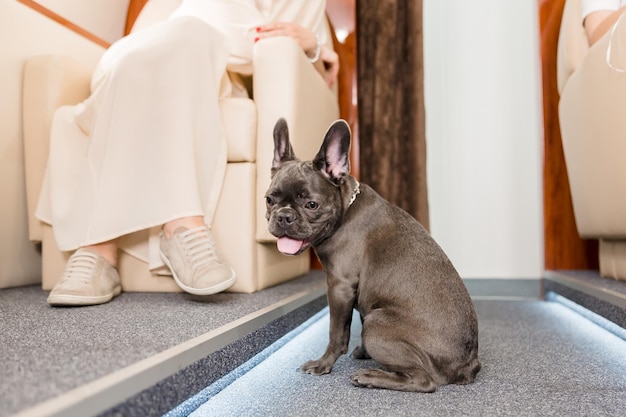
(333, 158)
(283, 151)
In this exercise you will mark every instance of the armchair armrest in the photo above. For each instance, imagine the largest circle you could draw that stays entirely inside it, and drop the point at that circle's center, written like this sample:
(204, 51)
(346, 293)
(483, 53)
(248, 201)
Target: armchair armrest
(50, 81)
(285, 84)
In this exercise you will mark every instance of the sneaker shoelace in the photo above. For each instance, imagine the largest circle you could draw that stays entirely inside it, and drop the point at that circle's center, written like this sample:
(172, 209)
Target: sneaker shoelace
(199, 248)
(81, 266)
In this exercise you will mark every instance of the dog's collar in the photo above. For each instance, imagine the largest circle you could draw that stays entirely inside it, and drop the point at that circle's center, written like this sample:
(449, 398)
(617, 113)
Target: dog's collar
(357, 191)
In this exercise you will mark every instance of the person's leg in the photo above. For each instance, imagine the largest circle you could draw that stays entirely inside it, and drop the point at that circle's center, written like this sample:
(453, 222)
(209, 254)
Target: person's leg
(156, 151)
(108, 250)
(186, 222)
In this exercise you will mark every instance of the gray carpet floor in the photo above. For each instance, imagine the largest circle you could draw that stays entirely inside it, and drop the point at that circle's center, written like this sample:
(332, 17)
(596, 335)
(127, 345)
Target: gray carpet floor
(46, 351)
(539, 359)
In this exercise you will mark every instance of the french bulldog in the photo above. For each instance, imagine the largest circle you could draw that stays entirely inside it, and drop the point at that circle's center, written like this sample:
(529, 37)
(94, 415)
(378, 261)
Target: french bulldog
(418, 320)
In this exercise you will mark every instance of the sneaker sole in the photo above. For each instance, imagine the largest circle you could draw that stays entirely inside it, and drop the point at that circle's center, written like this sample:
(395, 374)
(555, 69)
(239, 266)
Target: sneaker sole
(82, 300)
(217, 288)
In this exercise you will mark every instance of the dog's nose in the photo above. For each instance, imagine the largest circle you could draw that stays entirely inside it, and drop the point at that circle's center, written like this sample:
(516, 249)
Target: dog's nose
(285, 219)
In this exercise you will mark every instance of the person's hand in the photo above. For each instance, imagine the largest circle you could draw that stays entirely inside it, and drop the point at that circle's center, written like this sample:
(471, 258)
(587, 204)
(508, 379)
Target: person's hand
(331, 65)
(328, 64)
(305, 38)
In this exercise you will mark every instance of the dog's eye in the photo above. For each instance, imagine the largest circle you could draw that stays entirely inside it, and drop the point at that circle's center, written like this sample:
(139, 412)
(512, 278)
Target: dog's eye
(269, 200)
(311, 205)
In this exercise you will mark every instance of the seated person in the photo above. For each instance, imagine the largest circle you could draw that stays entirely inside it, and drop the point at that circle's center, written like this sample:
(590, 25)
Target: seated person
(156, 153)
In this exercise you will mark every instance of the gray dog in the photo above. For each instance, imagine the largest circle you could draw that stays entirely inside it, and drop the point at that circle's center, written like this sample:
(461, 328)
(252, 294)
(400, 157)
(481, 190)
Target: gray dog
(418, 320)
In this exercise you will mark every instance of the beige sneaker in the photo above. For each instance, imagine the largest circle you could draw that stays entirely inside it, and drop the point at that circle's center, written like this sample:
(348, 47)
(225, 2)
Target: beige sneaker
(197, 268)
(88, 279)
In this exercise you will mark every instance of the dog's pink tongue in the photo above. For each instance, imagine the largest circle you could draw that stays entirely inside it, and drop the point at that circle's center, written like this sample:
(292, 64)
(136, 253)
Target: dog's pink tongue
(289, 246)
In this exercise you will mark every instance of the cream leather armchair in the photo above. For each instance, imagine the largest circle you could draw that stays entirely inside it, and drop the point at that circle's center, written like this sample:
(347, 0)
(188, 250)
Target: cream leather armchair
(285, 84)
(592, 83)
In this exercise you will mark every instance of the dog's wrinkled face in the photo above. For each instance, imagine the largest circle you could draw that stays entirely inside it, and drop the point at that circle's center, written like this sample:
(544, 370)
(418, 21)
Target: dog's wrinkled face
(301, 207)
(303, 201)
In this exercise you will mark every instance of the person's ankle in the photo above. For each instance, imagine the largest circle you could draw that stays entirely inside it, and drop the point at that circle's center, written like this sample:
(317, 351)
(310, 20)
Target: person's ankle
(107, 250)
(189, 222)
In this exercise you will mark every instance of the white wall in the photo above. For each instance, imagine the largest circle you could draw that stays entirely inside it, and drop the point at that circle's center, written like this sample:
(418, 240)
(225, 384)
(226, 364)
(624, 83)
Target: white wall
(484, 135)
(104, 18)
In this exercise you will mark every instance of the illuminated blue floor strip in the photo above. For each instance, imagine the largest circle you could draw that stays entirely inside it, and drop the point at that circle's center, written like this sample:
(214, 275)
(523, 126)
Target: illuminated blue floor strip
(588, 314)
(205, 395)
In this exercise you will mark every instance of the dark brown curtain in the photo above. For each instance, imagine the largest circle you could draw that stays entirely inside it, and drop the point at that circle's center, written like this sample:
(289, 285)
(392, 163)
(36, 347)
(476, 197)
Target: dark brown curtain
(391, 102)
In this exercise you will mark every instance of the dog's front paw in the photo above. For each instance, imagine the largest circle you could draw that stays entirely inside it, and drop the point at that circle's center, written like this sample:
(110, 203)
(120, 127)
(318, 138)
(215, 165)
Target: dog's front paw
(317, 367)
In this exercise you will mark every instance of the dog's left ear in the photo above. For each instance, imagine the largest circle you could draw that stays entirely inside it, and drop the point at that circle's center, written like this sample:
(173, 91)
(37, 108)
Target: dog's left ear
(283, 151)
(333, 158)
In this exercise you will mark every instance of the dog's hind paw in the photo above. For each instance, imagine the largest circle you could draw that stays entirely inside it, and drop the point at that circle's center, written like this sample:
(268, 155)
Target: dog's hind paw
(378, 378)
(358, 380)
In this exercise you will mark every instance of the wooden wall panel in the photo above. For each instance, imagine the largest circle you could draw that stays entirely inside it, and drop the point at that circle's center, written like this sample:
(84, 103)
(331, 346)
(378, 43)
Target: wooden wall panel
(564, 249)
(134, 7)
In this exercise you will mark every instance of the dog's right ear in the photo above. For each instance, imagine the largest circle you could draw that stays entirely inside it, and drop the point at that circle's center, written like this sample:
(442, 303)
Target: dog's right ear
(283, 151)
(333, 158)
